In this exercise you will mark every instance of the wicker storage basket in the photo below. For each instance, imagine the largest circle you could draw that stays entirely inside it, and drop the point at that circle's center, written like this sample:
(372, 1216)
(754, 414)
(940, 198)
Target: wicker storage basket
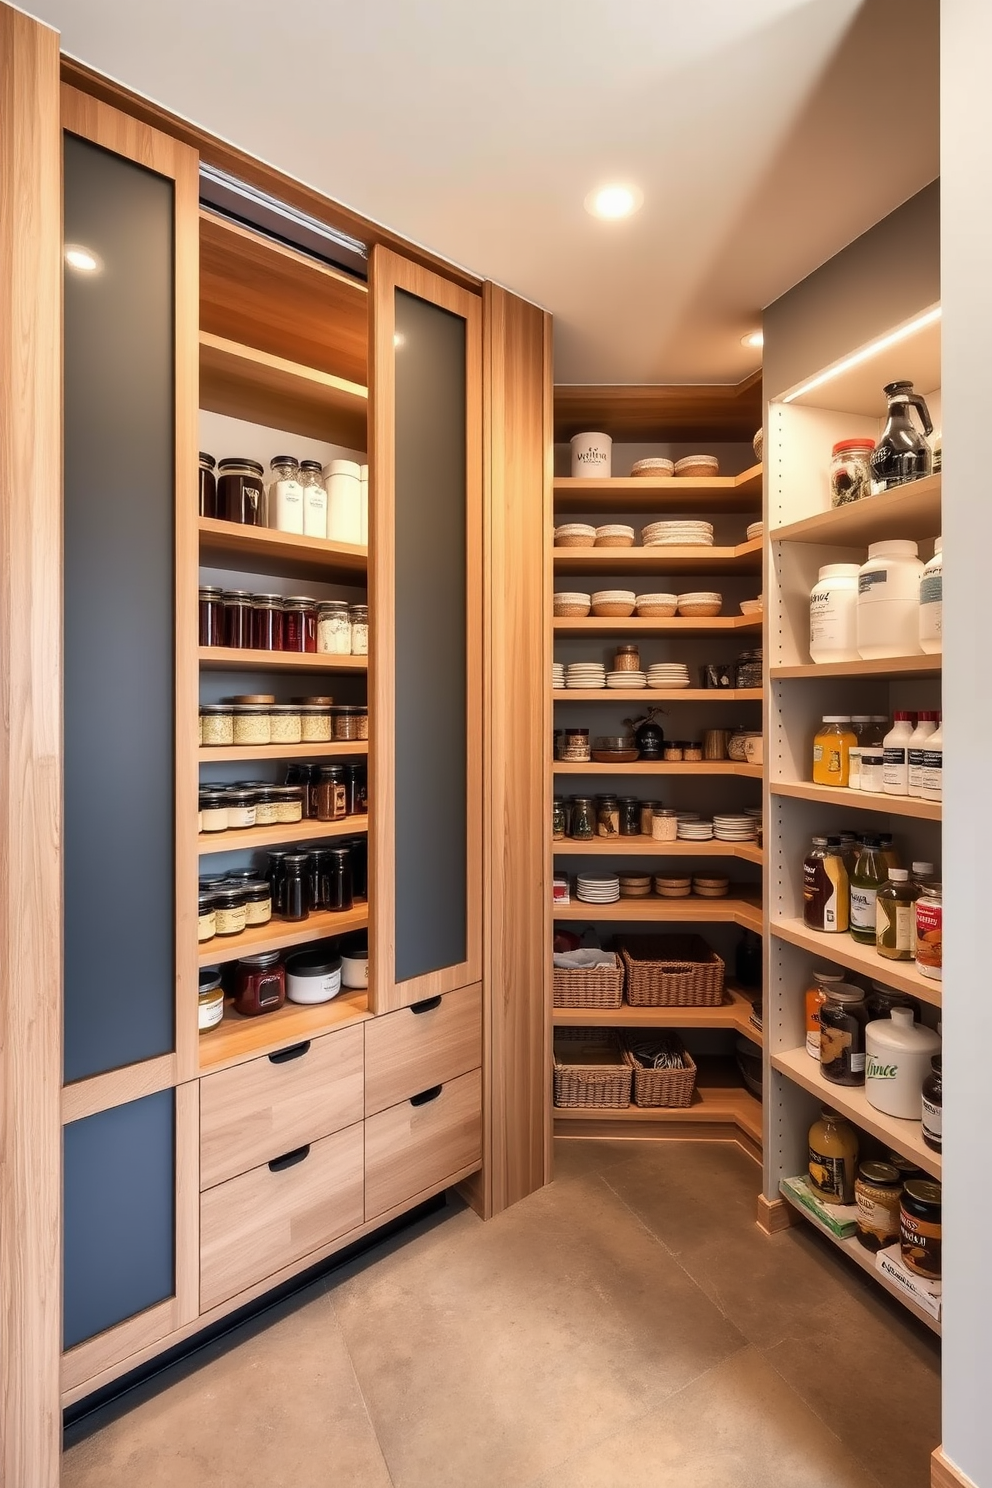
(671, 971)
(663, 1087)
(589, 986)
(591, 1071)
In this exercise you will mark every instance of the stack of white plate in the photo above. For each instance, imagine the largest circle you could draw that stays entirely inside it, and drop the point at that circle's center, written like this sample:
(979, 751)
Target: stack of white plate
(585, 674)
(734, 827)
(683, 533)
(756, 529)
(695, 831)
(598, 889)
(668, 674)
(626, 679)
(557, 675)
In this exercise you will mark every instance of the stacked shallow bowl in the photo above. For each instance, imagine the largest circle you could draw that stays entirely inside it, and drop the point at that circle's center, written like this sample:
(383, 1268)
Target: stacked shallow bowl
(585, 674)
(682, 533)
(668, 674)
(598, 888)
(657, 468)
(755, 529)
(614, 535)
(700, 602)
(622, 680)
(635, 885)
(734, 827)
(575, 535)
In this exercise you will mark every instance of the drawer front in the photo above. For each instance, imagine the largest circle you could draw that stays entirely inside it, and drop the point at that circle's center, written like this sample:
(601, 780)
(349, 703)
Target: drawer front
(256, 1111)
(409, 1051)
(257, 1223)
(412, 1147)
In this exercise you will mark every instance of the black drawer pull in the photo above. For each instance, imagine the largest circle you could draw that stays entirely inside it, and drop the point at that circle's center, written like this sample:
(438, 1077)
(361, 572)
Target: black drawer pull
(425, 1096)
(427, 1006)
(289, 1159)
(295, 1051)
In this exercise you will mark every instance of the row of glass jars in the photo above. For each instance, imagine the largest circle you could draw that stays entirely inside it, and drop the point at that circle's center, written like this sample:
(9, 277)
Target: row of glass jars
(301, 497)
(585, 817)
(316, 792)
(273, 622)
(268, 722)
(294, 884)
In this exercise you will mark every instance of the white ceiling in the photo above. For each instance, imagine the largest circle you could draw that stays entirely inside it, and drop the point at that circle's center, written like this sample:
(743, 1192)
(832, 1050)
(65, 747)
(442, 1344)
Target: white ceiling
(765, 134)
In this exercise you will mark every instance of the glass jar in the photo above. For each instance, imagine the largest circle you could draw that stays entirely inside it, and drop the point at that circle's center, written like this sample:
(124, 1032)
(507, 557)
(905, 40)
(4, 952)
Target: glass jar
(648, 809)
(276, 876)
(920, 1227)
(230, 910)
(630, 816)
(895, 917)
(583, 827)
(305, 776)
(693, 751)
(251, 723)
(285, 511)
(266, 622)
(843, 1018)
(359, 848)
(240, 809)
(575, 747)
(930, 931)
(237, 618)
(318, 867)
(607, 816)
(206, 927)
(208, 486)
(673, 752)
(285, 724)
(747, 671)
(314, 498)
(359, 617)
(832, 749)
(213, 810)
(833, 1158)
(330, 793)
(350, 722)
(816, 996)
(933, 1104)
(258, 901)
(241, 492)
(315, 724)
(333, 628)
(880, 1000)
(299, 624)
(664, 824)
(877, 1193)
(211, 1009)
(289, 803)
(216, 724)
(850, 470)
(356, 784)
(294, 895)
(212, 619)
(259, 984)
(558, 818)
(340, 889)
(627, 659)
(266, 808)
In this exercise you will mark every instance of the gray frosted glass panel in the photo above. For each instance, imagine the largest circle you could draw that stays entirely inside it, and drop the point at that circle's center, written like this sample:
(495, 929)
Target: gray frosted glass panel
(119, 1217)
(431, 724)
(119, 598)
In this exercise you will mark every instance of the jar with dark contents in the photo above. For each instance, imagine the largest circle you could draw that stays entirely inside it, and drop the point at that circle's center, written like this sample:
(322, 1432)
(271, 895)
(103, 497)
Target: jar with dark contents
(340, 888)
(241, 492)
(356, 780)
(843, 1019)
(208, 486)
(212, 632)
(275, 874)
(305, 776)
(299, 624)
(207, 919)
(330, 793)
(747, 672)
(359, 849)
(350, 722)
(237, 618)
(259, 984)
(630, 816)
(607, 816)
(295, 889)
(877, 1193)
(583, 826)
(920, 1228)
(266, 622)
(879, 1002)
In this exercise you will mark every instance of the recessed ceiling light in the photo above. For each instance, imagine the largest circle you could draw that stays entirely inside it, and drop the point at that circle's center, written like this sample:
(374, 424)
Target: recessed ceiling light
(753, 339)
(83, 260)
(612, 202)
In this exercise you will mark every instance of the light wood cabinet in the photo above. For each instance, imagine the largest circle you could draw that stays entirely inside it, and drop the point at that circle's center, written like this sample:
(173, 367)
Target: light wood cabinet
(427, 1044)
(414, 1146)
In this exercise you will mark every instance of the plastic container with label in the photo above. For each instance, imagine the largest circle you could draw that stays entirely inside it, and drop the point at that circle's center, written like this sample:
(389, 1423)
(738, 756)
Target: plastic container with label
(895, 755)
(889, 600)
(833, 614)
(932, 774)
(344, 501)
(926, 724)
(931, 602)
(313, 976)
(899, 1051)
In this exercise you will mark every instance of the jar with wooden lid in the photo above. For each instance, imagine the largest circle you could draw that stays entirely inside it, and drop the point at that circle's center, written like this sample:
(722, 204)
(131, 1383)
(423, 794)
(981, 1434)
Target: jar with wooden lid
(877, 1193)
(833, 1158)
(575, 746)
(252, 724)
(627, 659)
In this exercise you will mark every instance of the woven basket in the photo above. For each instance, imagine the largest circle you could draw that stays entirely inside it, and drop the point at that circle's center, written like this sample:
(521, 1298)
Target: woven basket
(615, 540)
(589, 986)
(671, 971)
(663, 1087)
(575, 540)
(591, 1070)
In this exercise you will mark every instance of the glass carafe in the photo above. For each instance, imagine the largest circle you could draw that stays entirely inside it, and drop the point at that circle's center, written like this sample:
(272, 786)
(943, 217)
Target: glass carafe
(902, 454)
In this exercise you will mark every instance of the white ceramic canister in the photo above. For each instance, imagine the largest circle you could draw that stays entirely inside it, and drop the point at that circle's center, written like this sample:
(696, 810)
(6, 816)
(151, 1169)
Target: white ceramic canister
(833, 614)
(355, 971)
(592, 456)
(313, 976)
(364, 524)
(344, 501)
(931, 602)
(889, 600)
(898, 1052)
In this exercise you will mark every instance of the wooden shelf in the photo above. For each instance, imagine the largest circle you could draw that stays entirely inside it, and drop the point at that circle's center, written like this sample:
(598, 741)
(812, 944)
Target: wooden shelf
(279, 935)
(646, 847)
(705, 625)
(306, 830)
(657, 695)
(236, 1038)
(700, 414)
(235, 659)
(245, 383)
(850, 1100)
(836, 795)
(885, 666)
(734, 910)
(218, 754)
(659, 767)
(734, 1012)
(864, 959)
(722, 493)
(718, 1099)
(745, 558)
(911, 511)
(857, 1253)
(264, 550)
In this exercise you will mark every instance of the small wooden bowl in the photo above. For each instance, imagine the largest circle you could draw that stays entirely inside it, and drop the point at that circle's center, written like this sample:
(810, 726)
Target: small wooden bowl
(614, 540)
(615, 756)
(673, 893)
(613, 608)
(697, 466)
(698, 611)
(572, 611)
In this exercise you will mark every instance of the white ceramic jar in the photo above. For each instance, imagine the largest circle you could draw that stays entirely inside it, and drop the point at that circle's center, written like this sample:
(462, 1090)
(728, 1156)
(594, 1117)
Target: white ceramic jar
(344, 501)
(833, 614)
(363, 478)
(898, 1052)
(889, 600)
(931, 602)
(312, 976)
(592, 456)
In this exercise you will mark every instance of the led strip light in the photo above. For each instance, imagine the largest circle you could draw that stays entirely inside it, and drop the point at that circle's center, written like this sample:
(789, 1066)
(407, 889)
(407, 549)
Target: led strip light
(866, 353)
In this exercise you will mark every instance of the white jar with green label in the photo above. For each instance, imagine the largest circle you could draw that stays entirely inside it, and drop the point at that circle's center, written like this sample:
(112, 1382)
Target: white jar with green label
(898, 1054)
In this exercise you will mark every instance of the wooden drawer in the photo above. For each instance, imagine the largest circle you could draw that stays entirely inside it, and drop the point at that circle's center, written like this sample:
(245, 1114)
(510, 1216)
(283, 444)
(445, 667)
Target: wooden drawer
(411, 1146)
(253, 1225)
(256, 1111)
(420, 1046)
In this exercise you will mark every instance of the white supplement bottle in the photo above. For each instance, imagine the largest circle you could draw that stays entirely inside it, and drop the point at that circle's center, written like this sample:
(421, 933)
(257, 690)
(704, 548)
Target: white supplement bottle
(889, 600)
(895, 755)
(926, 723)
(364, 499)
(932, 788)
(286, 495)
(860, 723)
(344, 502)
(931, 602)
(314, 499)
(833, 614)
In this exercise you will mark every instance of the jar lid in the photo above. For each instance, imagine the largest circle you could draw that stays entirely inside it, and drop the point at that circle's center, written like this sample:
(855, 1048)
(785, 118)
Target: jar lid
(321, 702)
(836, 718)
(844, 992)
(237, 594)
(923, 1190)
(276, 855)
(250, 708)
(282, 709)
(213, 709)
(267, 601)
(209, 978)
(235, 463)
(295, 859)
(284, 460)
(212, 795)
(260, 962)
(344, 467)
(205, 900)
(363, 708)
(358, 609)
(894, 547)
(828, 974)
(210, 591)
(236, 797)
(257, 888)
(253, 697)
(300, 599)
(311, 465)
(343, 854)
(839, 571)
(312, 708)
(207, 460)
(229, 898)
(316, 963)
(333, 604)
(880, 1172)
(853, 444)
(331, 772)
(933, 891)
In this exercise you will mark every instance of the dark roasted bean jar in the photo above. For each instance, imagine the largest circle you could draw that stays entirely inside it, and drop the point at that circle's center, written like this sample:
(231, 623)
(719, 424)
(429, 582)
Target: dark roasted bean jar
(259, 984)
(241, 492)
(208, 486)
(340, 884)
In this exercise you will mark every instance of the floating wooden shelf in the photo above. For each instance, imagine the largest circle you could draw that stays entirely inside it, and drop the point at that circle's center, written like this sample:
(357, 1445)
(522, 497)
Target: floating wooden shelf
(722, 493)
(734, 1012)
(279, 935)
(860, 958)
(719, 1099)
(886, 666)
(263, 550)
(911, 511)
(850, 1100)
(745, 558)
(659, 767)
(686, 626)
(857, 1253)
(244, 383)
(836, 795)
(237, 1038)
(235, 659)
(734, 910)
(646, 847)
(218, 754)
(302, 831)
(658, 695)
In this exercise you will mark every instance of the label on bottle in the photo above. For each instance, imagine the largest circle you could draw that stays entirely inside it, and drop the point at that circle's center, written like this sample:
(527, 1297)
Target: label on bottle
(882, 1220)
(863, 908)
(929, 937)
(896, 928)
(867, 581)
(920, 1244)
(829, 1176)
(931, 775)
(857, 1062)
(932, 592)
(932, 1122)
(915, 770)
(871, 771)
(854, 768)
(894, 769)
(814, 1001)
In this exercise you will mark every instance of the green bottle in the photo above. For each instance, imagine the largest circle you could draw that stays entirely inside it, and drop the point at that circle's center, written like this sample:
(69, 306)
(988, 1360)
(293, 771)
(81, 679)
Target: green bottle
(871, 872)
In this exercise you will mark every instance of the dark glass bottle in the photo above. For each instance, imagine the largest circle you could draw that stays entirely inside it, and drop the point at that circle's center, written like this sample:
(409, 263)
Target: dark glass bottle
(933, 1104)
(902, 454)
(295, 892)
(275, 873)
(340, 890)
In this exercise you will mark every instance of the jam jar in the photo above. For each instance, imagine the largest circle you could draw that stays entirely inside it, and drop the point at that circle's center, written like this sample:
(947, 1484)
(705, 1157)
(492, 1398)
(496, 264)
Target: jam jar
(212, 616)
(842, 1034)
(241, 492)
(230, 910)
(258, 901)
(877, 1192)
(331, 793)
(211, 1009)
(356, 780)
(276, 876)
(299, 624)
(266, 622)
(259, 984)
(208, 486)
(237, 618)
